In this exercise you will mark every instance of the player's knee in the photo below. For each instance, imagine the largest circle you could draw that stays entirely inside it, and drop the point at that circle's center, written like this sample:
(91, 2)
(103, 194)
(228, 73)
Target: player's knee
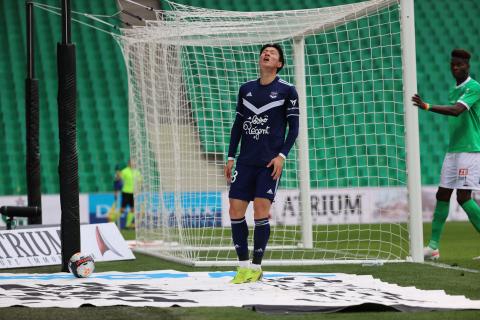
(444, 194)
(261, 209)
(235, 213)
(463, 196)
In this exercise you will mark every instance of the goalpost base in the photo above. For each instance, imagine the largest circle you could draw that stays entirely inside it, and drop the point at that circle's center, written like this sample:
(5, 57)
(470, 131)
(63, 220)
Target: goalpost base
(169, 252)
(279, 263)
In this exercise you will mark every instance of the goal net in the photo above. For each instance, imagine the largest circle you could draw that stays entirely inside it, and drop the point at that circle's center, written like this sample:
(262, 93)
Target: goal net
(342, 196)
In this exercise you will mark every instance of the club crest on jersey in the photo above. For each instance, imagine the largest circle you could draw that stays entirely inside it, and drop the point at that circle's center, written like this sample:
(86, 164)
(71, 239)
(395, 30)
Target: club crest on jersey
(463, 172)
(273, 94)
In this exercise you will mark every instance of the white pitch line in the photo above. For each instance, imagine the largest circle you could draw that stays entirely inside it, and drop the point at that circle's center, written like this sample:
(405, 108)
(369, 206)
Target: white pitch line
(446, 266)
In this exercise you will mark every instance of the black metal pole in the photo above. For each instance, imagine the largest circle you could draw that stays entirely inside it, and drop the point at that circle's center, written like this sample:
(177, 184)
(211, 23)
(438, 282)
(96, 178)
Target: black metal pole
(32, 122)
(67, 125)
(30, 46)
(66, 22)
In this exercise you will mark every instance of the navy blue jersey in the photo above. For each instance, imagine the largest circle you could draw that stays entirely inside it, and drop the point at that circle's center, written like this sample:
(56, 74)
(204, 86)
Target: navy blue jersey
(263, 112)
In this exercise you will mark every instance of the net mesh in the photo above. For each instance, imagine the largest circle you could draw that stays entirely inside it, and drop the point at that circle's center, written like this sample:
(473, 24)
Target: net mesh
(185, 69)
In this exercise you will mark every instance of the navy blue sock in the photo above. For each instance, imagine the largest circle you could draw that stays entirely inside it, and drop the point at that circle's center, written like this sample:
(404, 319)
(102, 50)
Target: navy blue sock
(261, 235)
(240, 238)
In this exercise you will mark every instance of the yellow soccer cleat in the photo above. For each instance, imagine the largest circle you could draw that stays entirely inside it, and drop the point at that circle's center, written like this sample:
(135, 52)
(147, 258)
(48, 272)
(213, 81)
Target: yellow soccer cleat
(243, 276)
(255, 275)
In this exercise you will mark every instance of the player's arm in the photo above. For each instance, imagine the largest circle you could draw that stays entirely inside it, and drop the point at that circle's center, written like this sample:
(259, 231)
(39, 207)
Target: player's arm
(293, 122)
(235, 136)
(454, 110)
(293, 125)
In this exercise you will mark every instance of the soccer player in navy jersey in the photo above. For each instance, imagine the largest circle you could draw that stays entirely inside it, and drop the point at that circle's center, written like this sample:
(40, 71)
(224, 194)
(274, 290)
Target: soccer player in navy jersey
(264, 107)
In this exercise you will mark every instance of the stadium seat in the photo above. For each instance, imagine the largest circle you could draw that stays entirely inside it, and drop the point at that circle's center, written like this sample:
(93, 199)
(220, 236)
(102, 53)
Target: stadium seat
(98, 83)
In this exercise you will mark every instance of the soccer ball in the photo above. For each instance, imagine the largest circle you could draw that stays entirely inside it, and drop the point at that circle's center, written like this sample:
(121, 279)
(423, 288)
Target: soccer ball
(81, 265)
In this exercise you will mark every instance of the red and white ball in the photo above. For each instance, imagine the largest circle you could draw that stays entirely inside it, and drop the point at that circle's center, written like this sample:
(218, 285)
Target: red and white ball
(81, 265)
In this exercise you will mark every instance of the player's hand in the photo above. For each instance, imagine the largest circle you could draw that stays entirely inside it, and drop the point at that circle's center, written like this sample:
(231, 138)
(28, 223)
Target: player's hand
(228, 170)
(277, 164)
(418, 102)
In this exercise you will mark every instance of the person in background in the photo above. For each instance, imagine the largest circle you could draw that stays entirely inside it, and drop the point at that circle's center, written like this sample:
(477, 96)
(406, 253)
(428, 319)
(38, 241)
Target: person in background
(130, 177)
(113, 214)
(117, 183)
(461, 166)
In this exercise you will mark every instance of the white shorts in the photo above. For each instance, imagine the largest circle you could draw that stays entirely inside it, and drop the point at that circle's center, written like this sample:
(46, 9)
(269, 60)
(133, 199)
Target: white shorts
(461, 171)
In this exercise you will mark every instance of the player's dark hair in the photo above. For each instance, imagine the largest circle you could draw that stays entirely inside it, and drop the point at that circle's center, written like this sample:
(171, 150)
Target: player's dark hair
(461, 54)
(280, 52)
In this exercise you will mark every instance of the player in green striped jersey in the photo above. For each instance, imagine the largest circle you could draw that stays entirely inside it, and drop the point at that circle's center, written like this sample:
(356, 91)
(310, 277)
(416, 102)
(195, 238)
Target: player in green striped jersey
(461, 166)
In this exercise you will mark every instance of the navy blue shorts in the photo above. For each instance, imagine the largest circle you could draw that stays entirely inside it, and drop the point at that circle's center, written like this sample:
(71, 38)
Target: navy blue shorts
(250, 182)
(127, 200)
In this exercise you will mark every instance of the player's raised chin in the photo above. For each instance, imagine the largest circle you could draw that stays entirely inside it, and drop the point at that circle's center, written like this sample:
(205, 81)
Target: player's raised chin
(270, 59)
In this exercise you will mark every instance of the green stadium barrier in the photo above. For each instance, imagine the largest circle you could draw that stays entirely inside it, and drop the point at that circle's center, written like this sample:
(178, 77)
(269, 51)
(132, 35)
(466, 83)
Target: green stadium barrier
(100, 64)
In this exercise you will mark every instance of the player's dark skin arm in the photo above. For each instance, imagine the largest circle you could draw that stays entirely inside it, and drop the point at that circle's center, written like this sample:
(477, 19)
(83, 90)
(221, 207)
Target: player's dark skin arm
(460, 70)
(454, 110)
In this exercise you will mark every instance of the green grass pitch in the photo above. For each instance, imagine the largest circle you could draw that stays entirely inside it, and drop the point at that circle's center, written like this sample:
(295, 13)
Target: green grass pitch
(460, 244)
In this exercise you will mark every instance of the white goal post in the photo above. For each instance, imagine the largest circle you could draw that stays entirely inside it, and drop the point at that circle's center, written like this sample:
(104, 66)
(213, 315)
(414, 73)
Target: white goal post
(346, 195)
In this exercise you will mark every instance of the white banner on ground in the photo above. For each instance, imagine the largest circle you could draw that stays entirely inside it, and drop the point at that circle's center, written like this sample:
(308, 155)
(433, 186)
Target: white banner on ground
(349, 206)
(278, 292)
(41, 246)
(51, 210)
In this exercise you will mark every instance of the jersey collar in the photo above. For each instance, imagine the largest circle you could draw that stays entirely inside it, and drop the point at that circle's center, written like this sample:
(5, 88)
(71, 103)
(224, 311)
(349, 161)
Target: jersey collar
(463, 83)
(266, 85)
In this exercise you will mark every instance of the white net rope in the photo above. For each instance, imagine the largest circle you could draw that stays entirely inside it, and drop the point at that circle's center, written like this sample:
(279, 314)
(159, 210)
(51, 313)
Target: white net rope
(184, 72)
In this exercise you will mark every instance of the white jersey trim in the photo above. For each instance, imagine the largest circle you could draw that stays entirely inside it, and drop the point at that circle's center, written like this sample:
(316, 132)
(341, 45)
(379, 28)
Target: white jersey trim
(464, 82)
(464, 103)
(285, 82)
(264, 108)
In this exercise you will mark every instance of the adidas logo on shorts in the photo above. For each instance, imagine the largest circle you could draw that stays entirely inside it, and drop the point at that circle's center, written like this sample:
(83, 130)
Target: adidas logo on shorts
(270, 191)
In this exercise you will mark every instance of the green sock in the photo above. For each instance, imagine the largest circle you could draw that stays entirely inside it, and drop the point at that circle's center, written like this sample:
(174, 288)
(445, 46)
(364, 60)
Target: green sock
(473, 212)
(439, 217)
(130, 219)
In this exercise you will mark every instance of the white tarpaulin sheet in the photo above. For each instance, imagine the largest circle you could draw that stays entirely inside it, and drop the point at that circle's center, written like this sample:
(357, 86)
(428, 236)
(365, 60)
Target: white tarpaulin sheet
(278, 292)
